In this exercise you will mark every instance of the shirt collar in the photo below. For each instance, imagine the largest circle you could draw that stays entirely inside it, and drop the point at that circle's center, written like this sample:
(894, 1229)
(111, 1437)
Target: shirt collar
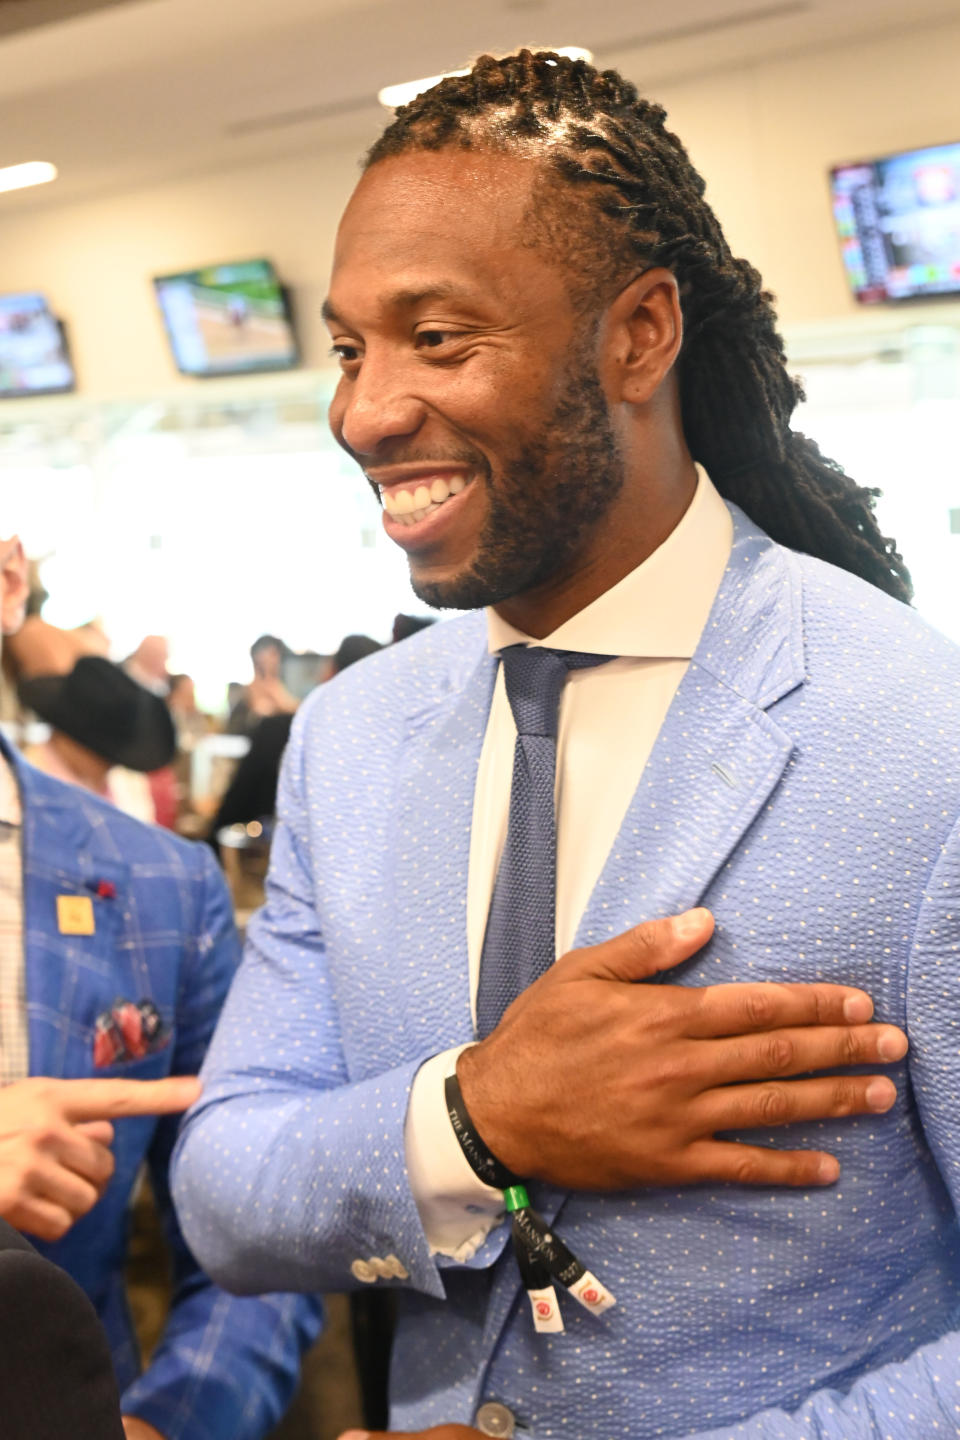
(11, 812)
(659, 610)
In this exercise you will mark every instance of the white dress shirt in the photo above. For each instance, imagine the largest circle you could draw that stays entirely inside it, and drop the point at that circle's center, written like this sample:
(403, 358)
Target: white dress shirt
(608, 722)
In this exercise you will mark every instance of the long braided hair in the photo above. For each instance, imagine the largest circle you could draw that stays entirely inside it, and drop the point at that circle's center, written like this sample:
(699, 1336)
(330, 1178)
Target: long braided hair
(645, 207)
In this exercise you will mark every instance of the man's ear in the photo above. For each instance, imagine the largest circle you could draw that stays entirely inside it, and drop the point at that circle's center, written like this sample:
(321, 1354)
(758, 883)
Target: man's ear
(13, 586)
(642, 334)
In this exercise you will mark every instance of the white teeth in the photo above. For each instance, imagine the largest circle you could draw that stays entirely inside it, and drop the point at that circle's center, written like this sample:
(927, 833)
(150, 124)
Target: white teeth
(410, 507)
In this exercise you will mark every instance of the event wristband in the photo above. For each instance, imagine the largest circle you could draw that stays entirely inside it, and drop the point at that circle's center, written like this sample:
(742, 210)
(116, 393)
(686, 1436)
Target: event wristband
(541, 1255)
(480, 1158)
(561, 1262)
(537, 1281)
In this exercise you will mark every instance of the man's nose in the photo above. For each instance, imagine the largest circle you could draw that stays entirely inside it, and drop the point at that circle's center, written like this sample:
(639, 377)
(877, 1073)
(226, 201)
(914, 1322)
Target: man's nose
(374, 407)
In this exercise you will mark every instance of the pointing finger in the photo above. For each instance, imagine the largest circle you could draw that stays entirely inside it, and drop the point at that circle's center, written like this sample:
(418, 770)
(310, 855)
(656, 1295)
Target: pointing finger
(116, 1099)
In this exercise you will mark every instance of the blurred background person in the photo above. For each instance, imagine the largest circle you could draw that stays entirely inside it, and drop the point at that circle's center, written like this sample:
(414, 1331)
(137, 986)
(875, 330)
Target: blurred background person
(106, 732)
(45, 649)
(251, 796)
(148, 664)
(406, 625)
(266, 694)
(192, 726)
(351, 649)
(190, 722)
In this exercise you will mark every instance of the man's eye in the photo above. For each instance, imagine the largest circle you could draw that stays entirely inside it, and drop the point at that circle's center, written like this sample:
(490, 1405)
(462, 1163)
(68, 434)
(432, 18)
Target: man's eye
(433, 339)
(344, 353)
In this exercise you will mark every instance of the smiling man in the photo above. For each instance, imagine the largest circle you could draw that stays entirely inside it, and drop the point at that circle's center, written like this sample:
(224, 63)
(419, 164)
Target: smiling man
(685, 729)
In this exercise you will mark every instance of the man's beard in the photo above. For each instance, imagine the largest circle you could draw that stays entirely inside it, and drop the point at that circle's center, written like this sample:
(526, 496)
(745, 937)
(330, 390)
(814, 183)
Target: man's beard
(552, 493)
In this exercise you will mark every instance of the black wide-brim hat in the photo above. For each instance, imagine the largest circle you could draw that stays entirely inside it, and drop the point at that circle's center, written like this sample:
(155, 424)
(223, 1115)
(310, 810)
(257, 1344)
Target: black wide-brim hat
(99, 706)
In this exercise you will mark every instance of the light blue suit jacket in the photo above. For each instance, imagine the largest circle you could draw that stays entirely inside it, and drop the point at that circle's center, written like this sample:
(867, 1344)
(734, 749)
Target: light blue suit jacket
(805, 786)
(225, 1368)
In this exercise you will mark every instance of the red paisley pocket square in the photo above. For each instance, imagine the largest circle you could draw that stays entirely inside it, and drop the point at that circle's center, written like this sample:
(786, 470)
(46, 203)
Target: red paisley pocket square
(128, 1031)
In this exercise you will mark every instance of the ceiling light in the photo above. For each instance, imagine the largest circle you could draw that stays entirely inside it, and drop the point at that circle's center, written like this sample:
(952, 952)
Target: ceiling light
(34, 172)
(394, 95)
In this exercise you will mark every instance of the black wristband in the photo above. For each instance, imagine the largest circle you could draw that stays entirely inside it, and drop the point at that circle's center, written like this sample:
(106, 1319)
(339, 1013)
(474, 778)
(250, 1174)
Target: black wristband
(480, 1158)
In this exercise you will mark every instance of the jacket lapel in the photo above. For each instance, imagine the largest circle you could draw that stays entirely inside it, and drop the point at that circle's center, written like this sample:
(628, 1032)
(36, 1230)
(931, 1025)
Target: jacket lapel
(437, 776)
(719, 754)
(67, 976)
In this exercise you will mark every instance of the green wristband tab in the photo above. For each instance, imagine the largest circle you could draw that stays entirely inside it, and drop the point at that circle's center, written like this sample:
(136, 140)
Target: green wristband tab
(516, 1198)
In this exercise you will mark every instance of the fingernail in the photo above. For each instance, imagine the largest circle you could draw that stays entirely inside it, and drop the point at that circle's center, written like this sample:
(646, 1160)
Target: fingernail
(355, 1435)
(857, 1008)
(828, 1170)
(880, 1094)
(690, 925)
(892, 1044)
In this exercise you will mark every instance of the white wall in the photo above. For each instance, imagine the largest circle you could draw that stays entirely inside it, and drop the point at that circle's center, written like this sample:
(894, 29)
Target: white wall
(95, 260)
(764, 137)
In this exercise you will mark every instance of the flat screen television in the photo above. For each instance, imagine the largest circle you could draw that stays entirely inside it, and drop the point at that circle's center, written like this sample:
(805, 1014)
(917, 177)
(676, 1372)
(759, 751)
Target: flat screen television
(898, 219)
(228, 319)
(34, 359)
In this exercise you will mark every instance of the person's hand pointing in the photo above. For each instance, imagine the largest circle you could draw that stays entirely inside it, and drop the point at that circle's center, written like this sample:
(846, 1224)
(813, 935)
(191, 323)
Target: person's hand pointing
(55, 1137)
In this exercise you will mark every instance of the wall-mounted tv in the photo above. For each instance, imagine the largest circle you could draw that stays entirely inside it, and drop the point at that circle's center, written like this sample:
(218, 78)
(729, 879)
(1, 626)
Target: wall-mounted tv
(228, 319)
(898, 219)
(34, 359)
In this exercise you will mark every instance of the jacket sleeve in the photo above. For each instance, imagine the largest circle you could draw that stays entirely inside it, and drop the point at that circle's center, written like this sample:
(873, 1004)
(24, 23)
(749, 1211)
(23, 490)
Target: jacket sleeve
(288, 1173)
(225, 1368)
(919, 1395)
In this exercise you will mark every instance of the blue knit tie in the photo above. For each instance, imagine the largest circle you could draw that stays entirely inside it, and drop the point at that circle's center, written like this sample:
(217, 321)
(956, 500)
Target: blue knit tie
(519, 944)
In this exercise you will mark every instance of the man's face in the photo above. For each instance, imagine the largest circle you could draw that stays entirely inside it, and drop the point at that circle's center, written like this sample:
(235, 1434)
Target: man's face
(469, 393)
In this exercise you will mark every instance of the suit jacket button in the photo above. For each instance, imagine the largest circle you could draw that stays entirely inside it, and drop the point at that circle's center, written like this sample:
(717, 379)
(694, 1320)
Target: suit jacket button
(363, 1270)
(495, 1419)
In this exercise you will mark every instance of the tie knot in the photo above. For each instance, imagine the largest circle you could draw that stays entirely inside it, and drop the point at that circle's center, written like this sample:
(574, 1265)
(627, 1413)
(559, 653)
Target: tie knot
(534, 676)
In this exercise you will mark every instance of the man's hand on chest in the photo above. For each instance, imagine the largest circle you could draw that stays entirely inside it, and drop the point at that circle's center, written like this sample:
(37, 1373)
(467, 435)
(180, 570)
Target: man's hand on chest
(594, 1082)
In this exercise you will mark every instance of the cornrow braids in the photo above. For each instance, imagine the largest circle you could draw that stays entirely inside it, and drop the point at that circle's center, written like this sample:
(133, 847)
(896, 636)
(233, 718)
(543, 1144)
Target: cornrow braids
(644, 206)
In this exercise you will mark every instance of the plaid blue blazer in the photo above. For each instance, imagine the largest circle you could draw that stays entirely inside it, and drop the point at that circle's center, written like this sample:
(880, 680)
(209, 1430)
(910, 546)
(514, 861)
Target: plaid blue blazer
(226, 1367)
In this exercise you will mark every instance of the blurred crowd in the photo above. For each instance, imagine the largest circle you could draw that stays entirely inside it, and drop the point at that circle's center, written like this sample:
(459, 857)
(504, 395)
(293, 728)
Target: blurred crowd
(131, 731)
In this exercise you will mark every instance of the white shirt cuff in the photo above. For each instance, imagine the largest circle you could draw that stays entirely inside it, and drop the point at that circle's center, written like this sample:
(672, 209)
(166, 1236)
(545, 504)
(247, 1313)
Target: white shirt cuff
(457, 1210)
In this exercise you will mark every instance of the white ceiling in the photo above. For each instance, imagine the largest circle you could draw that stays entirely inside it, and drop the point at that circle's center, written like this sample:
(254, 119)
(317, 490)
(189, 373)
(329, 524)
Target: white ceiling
(138, 91)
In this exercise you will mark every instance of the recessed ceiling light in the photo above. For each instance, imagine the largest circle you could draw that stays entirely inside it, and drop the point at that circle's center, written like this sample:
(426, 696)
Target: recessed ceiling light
(394, 95)
(34, 172)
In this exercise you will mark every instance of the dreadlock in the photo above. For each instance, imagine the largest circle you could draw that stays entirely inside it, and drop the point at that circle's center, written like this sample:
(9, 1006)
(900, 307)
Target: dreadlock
(593, 131)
